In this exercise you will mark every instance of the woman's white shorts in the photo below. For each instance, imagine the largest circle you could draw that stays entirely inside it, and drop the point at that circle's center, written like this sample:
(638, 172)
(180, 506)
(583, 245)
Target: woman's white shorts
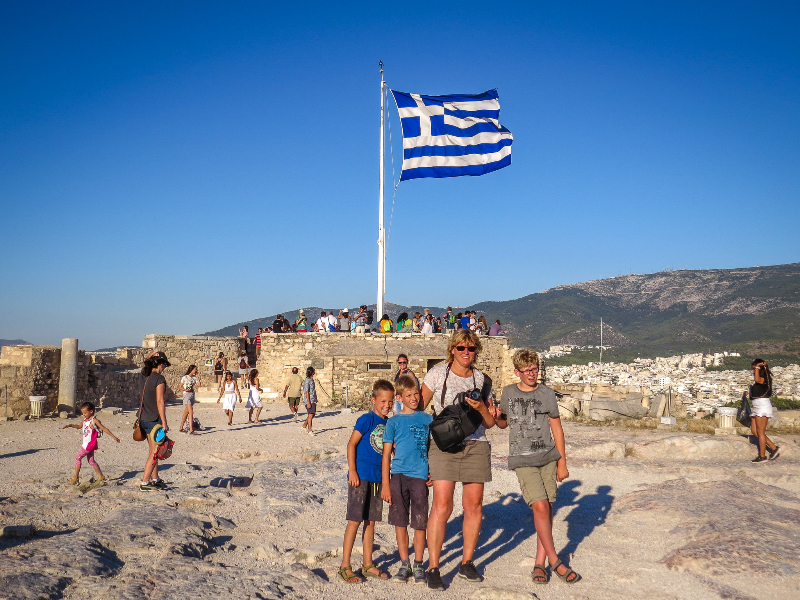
(762, 407)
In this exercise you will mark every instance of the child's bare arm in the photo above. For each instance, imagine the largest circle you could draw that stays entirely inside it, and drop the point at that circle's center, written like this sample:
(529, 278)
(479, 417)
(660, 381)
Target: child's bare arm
(386, 493)
(352, 474)
(558, 437)
(74, 425)
(106, 429)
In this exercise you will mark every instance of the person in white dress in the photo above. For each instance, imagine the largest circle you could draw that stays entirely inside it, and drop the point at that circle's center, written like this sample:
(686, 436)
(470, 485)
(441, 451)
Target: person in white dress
(254, 397)
(230, 389)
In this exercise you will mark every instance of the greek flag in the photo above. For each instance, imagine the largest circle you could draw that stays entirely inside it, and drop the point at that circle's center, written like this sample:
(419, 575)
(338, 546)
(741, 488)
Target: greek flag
(451, 136)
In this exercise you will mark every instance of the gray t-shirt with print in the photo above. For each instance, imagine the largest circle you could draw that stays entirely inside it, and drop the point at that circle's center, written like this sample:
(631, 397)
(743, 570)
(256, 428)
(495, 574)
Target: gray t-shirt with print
(530, 440)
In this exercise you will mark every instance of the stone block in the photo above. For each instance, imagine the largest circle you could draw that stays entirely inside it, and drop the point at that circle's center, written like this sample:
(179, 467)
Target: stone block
(320, 550)
(669, 421)
(17, 531)
(725, 431)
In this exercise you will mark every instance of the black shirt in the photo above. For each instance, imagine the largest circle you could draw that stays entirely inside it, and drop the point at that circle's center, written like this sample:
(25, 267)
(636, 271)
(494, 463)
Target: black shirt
(277, 326)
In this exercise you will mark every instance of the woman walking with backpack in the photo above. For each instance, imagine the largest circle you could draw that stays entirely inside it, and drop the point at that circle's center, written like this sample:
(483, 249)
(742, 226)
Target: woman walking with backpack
(762, 410)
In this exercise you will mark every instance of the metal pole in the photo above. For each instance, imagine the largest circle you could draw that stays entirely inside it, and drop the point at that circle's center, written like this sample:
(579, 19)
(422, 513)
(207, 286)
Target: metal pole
(6, 400)
(601, 342)
(381, 232)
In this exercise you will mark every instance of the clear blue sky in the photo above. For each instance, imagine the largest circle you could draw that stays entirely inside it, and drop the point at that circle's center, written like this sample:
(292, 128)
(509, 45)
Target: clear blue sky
(176, 167)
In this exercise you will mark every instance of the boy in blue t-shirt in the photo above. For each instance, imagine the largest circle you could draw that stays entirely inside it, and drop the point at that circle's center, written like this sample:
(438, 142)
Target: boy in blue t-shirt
(407, 491)
(364, 504)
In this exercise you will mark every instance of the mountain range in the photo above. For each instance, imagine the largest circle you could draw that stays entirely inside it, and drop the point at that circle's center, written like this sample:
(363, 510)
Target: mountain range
(754, 309)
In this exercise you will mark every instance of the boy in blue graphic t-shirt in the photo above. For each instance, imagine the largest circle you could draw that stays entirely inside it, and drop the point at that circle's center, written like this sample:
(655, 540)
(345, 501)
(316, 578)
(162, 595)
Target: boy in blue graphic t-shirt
(406, 490)
(364, 504)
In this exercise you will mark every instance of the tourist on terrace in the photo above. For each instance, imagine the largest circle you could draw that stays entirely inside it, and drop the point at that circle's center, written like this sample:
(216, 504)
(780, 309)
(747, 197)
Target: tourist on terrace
(470, 466)
(762, 410)
(344, 320)
(496, 329)
(301, 322)
(481, 327)
(427, 324)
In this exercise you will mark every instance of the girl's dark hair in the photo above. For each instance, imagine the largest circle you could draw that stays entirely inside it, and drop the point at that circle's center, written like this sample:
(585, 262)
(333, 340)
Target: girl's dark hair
(310, 371)
(403, 316)
(228, 373)
(763, 371)
(88, 405)
(253, 375)
(149, 365)
(399, 356)
(191, 368)
(221, 354)
(385, 317)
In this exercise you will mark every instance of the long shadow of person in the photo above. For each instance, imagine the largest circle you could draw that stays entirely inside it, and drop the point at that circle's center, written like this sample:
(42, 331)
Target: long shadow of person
(507, 523)
(590, 511)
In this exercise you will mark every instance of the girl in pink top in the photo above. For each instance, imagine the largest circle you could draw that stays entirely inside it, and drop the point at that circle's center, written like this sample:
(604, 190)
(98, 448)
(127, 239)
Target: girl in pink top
(89, 428)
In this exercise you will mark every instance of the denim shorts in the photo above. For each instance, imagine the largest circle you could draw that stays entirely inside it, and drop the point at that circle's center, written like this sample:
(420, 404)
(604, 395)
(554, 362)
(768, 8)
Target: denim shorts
(147, 426)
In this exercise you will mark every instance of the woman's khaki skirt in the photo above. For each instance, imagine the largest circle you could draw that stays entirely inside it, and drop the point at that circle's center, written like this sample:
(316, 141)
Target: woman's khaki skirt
(473, 464)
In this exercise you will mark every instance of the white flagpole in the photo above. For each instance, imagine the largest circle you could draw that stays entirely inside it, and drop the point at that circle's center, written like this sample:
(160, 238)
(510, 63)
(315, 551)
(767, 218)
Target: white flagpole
(381, 231)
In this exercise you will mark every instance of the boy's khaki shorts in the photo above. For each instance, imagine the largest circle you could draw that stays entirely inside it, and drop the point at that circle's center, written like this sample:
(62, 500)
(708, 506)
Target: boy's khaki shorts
(538, 483)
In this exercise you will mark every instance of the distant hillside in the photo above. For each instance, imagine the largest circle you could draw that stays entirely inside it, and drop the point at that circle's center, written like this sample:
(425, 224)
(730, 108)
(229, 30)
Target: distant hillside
(13, 343)
(753, 309)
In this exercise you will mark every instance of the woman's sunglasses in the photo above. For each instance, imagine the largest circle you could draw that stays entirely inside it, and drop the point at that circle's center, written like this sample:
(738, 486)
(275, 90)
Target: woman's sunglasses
(470, 348)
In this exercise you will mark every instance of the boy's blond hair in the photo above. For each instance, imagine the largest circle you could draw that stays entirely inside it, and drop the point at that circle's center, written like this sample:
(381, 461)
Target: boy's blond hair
(525, 358)
(382, 385)
(404, 383)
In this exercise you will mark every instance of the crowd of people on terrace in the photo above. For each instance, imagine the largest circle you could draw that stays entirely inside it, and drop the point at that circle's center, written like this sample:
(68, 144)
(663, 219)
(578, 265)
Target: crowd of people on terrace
(362, 320)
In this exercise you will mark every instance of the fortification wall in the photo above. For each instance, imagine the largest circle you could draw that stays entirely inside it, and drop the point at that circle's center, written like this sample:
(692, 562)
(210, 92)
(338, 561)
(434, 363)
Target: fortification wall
(35, 371)
(185, 350)
(348, 364)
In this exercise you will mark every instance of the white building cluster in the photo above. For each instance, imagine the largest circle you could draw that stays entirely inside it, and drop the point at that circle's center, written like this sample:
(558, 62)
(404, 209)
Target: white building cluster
(685, 375)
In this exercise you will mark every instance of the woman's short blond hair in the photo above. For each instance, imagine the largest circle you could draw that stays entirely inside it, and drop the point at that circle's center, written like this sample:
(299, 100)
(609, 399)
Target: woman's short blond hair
(463, 337)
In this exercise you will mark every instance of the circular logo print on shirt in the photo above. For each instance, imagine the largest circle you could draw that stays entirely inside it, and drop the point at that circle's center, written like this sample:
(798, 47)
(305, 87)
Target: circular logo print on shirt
(376, 438)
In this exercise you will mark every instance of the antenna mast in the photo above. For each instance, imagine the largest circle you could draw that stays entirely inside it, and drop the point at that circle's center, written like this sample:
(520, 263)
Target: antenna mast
(601, 342)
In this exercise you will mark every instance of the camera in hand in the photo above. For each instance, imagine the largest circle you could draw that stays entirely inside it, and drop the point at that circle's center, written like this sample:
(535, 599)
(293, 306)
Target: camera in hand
(471, 394)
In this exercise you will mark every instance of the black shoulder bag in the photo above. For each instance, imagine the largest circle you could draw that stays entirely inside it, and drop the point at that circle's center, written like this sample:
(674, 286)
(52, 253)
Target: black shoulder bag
(743, 413)
(451, 427)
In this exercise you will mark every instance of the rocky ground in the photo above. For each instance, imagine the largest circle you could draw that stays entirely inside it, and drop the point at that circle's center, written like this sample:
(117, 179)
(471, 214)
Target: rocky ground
(256, 511)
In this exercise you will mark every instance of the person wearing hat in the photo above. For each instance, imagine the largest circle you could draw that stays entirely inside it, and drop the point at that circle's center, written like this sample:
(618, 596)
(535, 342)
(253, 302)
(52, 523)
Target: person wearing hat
(301, 322)
(344, 320)
(153, 413)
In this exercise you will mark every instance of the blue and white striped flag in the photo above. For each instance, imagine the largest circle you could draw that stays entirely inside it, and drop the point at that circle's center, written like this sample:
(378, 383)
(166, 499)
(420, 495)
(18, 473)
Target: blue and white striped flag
(451, 136)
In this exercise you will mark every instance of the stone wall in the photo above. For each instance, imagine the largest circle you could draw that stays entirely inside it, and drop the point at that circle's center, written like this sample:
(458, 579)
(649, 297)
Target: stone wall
(185, 350)
(28, 371)
(35, 371)
(346, 363)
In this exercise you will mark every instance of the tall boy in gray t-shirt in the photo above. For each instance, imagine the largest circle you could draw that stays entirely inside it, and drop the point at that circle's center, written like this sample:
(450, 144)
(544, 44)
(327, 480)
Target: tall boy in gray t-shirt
(537, 455)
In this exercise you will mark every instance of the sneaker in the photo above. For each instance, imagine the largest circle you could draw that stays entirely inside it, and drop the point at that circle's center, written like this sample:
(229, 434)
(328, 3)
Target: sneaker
(759, 459)
(158, 483)
(469, 572)
(419, 574)
(403, 573)
(148, 487)
(434, 579)
(773, 454)
(312, 433)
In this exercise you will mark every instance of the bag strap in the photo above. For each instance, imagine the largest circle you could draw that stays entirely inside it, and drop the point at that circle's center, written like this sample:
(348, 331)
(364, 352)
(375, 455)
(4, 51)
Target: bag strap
(141, 404)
